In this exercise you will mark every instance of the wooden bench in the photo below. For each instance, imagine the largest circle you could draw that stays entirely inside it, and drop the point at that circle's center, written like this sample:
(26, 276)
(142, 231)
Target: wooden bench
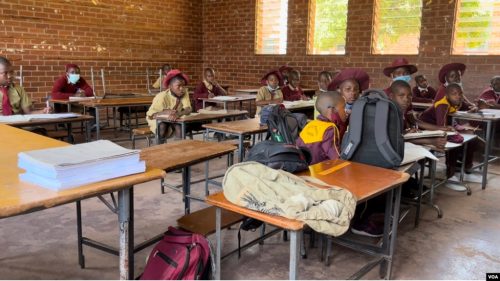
(203, 221)
(142, 132)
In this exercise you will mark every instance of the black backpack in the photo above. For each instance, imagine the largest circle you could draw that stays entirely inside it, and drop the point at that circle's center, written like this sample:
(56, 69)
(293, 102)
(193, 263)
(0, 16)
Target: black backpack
(375, 135)
(284, 126)
(287, 157)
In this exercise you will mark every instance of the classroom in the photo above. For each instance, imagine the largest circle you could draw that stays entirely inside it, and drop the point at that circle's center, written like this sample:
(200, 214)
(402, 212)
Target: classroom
(231, 139)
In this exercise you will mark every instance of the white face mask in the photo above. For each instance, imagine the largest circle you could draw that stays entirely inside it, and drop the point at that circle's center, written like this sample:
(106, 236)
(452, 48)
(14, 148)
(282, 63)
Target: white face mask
(271, 89)
(459, 84)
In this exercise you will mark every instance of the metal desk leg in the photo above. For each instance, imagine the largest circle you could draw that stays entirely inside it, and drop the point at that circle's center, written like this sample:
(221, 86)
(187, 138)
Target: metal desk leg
(487, 150)
(390, 236)
(203, 103)
(433, 164)
(87, 131)
(294, 254)
(157, 134)
(241, 147)
(97, 124)
(186, 188)
(183, 130)
(126, 255)
(81, 257)
(218, 241)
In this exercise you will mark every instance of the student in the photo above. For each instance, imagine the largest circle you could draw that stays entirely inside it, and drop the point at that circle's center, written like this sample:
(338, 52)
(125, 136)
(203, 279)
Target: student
(208, 88)
(322, 136)
(350, 83)
(448, 74)
(422, 92)
(270, 93)
(284, 72)
(401, 94)
(324, 79)
(292, 91)
(438, 115)
(173, 102)
(490, 98)
(71, 85)
(14, 98)
(400, 69)
(165, 69)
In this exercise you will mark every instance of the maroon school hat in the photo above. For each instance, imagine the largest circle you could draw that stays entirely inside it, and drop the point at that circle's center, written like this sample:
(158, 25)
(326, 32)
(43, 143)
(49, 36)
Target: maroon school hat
(285, 68)
(399, 62)
(351, 73)
(263, 81)
(173, 73)
(71, 65)
(449, 67)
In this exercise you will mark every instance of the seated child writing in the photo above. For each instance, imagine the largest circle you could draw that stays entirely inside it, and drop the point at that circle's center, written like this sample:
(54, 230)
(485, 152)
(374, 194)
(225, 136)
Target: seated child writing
(422, 92)
(173, 102)
(270, 93)
(323, 135)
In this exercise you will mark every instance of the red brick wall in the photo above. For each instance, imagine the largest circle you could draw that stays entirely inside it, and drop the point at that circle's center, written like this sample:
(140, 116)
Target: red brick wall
(228, 45)
(121, 36)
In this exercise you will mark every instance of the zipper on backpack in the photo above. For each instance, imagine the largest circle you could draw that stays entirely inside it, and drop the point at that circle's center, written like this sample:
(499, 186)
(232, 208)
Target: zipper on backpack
(186, 263)
(166, 258)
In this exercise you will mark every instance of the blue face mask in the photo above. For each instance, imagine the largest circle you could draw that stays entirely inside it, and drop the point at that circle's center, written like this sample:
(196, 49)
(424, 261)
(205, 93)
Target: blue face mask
(348, 106)
(406, 78)
(73, 78)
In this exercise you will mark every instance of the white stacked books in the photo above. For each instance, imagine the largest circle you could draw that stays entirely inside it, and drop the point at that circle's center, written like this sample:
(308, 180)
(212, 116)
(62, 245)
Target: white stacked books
(71, 166)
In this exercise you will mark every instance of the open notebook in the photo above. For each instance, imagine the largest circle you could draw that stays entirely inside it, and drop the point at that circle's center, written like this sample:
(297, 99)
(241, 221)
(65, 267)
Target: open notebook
(29, 117)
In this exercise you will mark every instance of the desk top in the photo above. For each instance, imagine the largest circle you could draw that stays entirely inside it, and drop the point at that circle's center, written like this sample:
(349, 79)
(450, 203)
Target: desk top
(364, 181)
(41, 122)
(247, 126)
(180, 154)
(64, 101)
(255, 90)
(17, 197)
(421, 104)
(235, 98)
(206, 117)
(132, 101)
(219, 200)
(475, 116)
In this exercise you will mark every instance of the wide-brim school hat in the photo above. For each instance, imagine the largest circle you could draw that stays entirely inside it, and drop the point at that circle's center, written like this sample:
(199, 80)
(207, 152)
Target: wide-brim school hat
(399, 62)
(351, 73)
(263, 81)
(285, 68)
(449, 67)
(173, 73)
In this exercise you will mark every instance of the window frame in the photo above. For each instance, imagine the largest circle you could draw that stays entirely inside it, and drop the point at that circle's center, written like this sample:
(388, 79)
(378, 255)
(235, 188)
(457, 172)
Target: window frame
(256, 30)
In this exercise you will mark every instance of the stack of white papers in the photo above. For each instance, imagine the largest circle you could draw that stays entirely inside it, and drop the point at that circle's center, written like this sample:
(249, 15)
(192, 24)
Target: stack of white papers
(415, 153)
(70, 166)
(298, 103)
(81, 98)
(26, 118)
(424, 134)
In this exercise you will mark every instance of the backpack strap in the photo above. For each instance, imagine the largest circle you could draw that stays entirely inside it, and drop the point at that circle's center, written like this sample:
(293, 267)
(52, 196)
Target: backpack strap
(355, 132)
(381, 136)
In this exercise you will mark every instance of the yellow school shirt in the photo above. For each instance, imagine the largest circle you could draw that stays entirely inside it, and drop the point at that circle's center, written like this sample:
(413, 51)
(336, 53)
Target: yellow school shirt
(265, 94)
(18, 99)
(166, 100)
(157, 84)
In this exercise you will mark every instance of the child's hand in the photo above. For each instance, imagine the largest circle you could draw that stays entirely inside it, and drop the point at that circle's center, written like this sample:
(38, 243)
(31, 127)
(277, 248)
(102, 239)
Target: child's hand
(304, 97)
(482, 104)
(449, 129)
(439, 143)
(473, 109)
(172, 116)
(211, 95)
(47, 110)
(412, 130)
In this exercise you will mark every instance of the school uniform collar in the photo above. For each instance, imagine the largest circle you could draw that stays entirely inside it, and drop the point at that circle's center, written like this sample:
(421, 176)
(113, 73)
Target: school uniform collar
(423, 89)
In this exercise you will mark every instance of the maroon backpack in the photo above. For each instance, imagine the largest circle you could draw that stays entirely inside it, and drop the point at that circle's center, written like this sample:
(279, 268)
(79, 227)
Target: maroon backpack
(180, 255)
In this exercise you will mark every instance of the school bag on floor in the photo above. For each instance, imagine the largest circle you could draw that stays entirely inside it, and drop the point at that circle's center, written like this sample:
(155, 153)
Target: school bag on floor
(180, 255)
(284, 126)
(375, 135)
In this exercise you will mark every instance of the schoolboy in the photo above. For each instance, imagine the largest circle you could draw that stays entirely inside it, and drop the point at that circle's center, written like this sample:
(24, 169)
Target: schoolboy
(423, 92)
(270, 93)
(323, 136)
(350, 83)
(400, 69)
(208, 88)
(292, 91)
(490, 98)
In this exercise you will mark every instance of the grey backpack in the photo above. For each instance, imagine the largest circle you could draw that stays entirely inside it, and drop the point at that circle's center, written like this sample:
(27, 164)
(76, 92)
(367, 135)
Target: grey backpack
(375, 135)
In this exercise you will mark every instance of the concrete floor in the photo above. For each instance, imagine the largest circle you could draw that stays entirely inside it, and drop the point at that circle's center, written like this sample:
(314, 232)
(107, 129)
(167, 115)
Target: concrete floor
(461, 245)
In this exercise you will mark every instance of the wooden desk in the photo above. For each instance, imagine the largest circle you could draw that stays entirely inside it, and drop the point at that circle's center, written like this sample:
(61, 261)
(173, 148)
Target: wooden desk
(182, 155)
(68, 103)
(237, 99)
(118, 102)
(197, 117)
(253, 91)
(18, 197)
(42, 122)
(240, 128)
(489, 138)
(362, 180)
(421, 105)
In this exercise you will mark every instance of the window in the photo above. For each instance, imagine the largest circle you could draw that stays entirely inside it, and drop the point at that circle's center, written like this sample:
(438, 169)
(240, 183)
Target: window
(327, 27)
(396, 27)
(477, 28)
(271, 27)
